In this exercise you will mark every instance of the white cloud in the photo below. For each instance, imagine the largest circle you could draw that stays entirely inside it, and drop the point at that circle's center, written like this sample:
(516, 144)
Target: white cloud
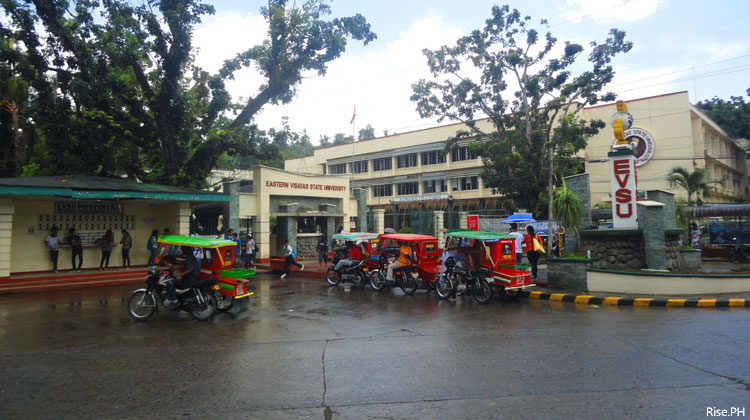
(604, 11)
(377, 81)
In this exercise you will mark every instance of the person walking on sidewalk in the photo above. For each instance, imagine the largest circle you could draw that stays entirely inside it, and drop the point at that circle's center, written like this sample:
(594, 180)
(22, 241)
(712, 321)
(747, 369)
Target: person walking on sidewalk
(152, 246)
(530, 241)
(108, 241)
(53, 244)
(76, 245)
(127, 243)
(289, 260)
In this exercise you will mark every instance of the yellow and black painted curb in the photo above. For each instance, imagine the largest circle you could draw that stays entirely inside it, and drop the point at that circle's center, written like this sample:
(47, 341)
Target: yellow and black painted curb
(640, 302)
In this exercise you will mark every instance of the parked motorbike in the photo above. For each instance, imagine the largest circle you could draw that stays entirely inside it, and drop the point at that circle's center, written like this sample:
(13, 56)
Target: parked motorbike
(354, 274)
(457, 281)
(740, 251)
(198, 298)
(405, 277)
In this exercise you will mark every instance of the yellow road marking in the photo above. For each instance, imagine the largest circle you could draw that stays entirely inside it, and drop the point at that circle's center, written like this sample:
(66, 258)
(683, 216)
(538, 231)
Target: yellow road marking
(707, 302)
(676, 302)
(583, 298)
(736, 302)
(534, 295)
(642, 302)
(556, 296)
(611, 300)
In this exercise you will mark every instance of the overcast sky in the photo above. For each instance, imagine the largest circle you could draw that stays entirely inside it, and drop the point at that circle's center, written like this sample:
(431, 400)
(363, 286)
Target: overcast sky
(702, 47)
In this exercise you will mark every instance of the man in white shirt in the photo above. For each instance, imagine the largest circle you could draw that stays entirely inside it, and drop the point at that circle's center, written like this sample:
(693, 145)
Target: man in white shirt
(53, 244)
(518, 236)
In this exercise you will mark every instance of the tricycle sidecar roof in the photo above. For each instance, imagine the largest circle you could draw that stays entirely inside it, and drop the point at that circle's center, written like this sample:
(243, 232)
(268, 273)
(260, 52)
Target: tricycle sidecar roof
(355, 236)
(476, 234)
(195, 241)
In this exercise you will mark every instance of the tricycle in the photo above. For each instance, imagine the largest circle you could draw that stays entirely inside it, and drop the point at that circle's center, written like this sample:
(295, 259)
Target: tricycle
(351, 258)
(472, 257)
(216, 259)
(423, 255)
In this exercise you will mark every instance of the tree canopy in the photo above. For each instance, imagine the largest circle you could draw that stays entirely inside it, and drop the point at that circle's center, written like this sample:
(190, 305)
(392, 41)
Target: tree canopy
(111, 88)
(732, 115)
(515, 76)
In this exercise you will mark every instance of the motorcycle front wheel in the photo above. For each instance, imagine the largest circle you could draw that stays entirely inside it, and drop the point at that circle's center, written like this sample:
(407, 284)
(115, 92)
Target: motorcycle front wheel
(207, 310)
(332, 277)
(377, 280)
(409, 285)
(482, 291)
(444, 287)
(141, 305)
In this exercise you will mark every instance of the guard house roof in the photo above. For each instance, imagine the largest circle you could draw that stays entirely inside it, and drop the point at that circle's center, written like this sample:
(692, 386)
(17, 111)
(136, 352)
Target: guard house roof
(91, 187)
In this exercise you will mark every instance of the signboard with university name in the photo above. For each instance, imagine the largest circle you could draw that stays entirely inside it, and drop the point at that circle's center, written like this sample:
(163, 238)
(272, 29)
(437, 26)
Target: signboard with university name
(73, 207)
(644, 144)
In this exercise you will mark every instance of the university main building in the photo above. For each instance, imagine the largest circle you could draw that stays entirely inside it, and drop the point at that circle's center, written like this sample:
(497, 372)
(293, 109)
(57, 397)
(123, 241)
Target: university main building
(406, 179)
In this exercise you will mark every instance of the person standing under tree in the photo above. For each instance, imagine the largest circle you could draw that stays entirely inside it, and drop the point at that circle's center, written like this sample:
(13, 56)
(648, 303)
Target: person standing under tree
(53, 244)
(76, 244)
(127, 243)
(108, 241)
(695, 236)
(289, 260)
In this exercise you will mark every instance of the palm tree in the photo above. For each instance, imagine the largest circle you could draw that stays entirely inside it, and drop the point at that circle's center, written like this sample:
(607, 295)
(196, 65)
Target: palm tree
(567, 209)
(697, 182)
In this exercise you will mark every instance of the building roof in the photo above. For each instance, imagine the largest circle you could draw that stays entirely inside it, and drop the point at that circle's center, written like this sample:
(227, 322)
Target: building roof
(92, 187)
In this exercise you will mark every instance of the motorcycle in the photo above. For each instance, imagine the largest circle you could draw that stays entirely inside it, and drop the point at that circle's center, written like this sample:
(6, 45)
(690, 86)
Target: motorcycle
(740, 252)
(198, 298)
(404, 277)
(354, 274)
(457, 281)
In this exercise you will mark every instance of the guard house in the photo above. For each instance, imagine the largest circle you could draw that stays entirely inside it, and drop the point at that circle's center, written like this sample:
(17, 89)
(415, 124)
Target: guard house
(29, 207)
(278, 205)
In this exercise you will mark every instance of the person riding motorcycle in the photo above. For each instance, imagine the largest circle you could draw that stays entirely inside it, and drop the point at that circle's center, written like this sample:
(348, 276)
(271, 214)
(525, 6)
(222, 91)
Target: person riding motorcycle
(404, 259)
(187, 276)
(356, 252)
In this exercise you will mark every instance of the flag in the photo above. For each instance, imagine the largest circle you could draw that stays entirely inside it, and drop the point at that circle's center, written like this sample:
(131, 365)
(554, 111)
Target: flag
(354, 114)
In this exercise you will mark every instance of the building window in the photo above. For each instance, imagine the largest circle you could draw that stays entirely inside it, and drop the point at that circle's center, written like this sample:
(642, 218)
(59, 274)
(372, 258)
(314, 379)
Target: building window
(462, 153)
(337, 169)
(464, 184)
(406, 161)
(382, 190)
(408, 188)
(360, 167)
(437, 186)
(433, 158)
(382, 164)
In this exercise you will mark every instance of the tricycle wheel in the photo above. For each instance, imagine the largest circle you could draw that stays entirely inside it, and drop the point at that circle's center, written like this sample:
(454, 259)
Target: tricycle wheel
(141, 305)
(361, 279)
(409, 285)
(207, 310)
(332, 277)
(482, 291)
(508, 294)
(444, 287)
(224, 302)
(377, 280)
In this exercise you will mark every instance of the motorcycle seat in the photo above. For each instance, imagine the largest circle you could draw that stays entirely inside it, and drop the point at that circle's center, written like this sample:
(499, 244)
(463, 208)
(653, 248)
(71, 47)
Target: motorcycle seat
(202, 283)
(482, 272)
(405, 269)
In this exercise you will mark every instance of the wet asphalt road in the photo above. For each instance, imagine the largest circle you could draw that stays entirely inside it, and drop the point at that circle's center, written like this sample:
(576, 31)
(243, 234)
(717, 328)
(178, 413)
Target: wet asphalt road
(304, 350)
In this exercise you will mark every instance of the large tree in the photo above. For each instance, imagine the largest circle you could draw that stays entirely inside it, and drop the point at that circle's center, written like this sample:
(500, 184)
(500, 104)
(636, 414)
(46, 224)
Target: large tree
(732, 115)
(124, 96)
(516, 77)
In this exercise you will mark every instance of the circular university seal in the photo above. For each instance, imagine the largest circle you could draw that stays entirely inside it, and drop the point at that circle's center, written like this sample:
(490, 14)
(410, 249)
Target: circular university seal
(645, 145)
